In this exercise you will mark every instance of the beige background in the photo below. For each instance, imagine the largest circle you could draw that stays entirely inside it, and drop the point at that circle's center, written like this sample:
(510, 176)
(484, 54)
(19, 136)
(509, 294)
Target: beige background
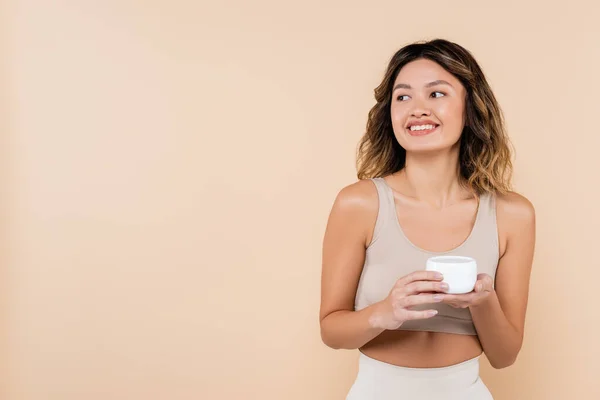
(169, 166)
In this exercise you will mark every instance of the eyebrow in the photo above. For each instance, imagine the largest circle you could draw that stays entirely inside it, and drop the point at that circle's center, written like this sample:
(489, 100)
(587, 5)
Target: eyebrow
(430, 84)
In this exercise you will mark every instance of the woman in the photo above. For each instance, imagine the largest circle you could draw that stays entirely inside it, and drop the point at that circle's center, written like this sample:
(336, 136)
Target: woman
(434, 175)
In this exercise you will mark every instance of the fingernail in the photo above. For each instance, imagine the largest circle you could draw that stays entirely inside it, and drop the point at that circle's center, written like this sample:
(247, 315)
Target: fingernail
(438, 275)
(432, 312)
(438, 297)
(444, 286)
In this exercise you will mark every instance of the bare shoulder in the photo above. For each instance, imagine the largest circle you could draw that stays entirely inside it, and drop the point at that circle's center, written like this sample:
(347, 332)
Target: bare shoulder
(354, 211)
(360, 196)
(515, 208)
(516, 226)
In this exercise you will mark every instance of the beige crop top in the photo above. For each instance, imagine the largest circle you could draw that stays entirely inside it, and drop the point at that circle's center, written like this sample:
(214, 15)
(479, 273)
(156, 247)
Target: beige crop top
(390, 256)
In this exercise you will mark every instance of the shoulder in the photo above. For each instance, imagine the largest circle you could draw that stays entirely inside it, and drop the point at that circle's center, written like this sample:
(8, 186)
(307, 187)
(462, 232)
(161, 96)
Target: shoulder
(515, 216)
(515, 207)
(355, 208)
(358, 196)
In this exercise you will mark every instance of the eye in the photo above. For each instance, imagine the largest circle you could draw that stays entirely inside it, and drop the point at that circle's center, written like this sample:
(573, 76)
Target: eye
(434, 94)
(399, 98)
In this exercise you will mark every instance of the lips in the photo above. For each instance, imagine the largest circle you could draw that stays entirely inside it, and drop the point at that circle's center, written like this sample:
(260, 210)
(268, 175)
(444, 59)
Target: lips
(420, 122)
(421, 132)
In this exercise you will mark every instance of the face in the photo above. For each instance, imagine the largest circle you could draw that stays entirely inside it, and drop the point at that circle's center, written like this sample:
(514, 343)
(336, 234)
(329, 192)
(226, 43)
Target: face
(428, 107)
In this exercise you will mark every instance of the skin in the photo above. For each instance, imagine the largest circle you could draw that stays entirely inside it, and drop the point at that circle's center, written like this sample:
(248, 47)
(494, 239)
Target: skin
(437, 213)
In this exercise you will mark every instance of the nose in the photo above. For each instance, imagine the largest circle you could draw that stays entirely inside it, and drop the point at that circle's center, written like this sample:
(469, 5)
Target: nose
(420, 111)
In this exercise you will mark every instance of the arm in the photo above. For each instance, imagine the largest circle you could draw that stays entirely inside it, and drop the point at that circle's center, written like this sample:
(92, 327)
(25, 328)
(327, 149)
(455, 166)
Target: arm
(349, 231)
(500, 318)
(347, 235)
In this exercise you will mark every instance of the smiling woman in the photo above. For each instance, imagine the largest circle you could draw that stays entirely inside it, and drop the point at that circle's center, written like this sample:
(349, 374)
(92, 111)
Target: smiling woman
(420, 111)
(434, 175)
(442, 78)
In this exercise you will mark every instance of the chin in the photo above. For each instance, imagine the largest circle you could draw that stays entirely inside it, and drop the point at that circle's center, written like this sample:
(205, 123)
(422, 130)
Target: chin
(426, 147)
(428, 144)
(431, 141)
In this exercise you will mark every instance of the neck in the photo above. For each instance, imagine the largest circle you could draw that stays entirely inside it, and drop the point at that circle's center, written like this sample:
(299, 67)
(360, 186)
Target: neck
(433, 178)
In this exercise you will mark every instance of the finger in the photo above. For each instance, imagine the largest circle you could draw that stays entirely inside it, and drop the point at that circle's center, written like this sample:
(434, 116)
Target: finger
(485, 284)
(456, 301)
(419, 299)
(420, 276)
(485, 278)
(410, 315)
(482, 276)
(458, 298)
(425, 286)
(449, 299)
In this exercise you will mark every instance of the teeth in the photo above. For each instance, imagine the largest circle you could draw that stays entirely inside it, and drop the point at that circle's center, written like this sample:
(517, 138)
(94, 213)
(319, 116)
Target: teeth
(421, 127)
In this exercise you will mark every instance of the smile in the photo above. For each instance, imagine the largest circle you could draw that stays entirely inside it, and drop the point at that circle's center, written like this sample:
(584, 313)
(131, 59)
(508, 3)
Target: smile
(420, 130)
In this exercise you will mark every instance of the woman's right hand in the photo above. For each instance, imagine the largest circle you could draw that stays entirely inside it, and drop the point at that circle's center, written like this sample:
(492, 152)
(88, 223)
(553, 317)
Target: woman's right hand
(420, 287)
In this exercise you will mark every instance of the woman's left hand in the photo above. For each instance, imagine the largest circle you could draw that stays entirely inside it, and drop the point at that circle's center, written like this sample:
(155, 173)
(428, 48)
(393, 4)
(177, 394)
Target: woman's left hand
(483, 288)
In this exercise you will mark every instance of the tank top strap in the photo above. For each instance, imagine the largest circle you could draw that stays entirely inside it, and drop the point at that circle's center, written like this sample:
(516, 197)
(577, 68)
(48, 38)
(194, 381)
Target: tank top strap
(486, 230)
(387, 207)
(487, 210)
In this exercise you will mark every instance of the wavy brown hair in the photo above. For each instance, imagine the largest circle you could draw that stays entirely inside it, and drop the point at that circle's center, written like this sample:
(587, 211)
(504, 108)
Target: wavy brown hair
(485, 150)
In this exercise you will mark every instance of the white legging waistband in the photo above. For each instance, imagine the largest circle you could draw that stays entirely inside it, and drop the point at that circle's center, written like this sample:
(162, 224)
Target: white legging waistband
(377, 380)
